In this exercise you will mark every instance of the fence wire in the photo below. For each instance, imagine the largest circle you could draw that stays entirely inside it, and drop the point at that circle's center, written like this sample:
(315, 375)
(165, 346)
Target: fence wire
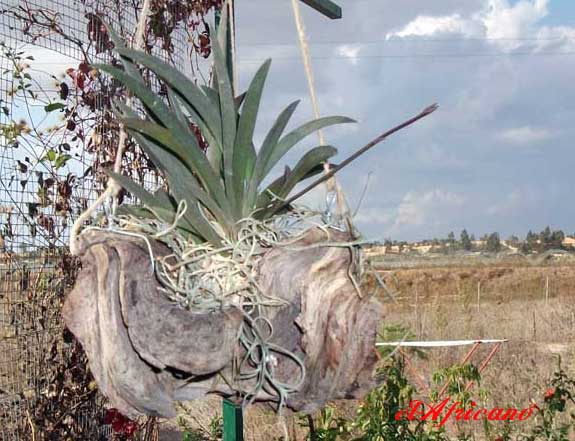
(51, 154)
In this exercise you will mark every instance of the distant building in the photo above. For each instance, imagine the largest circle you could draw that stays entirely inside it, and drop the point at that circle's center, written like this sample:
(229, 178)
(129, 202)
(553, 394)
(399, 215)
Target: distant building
(422, 248)
(512, 248)
(374, 250)
(569, 242)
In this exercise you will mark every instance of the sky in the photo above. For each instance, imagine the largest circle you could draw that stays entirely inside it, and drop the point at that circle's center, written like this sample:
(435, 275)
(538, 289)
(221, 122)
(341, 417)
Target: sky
(498, 154)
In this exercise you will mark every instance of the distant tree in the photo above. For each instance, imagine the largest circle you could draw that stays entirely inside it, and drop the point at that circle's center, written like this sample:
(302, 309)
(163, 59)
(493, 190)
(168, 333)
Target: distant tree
(451, 238)
(557, 238)
(531, 241)
(387, 244)
(493, 243)
(472, 238)
(513, 239)
(526, 247)
(545, 237)
(465, 241)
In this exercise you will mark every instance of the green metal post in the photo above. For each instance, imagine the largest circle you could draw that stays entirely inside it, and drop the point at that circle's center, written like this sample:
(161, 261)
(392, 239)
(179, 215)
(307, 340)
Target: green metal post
(233, 421)
(233, 418)
(325, 7)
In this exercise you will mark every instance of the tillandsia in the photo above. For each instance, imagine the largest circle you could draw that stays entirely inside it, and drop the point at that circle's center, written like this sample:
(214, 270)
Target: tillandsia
(216, 217)
(223, 186)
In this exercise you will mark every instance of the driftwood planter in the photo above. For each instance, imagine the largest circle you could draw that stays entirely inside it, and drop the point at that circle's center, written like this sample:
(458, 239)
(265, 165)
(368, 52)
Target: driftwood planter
(146, 353)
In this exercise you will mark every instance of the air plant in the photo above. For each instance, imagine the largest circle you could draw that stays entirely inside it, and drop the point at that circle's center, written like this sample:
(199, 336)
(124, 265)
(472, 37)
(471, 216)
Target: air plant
(220, 218)
(224, 186)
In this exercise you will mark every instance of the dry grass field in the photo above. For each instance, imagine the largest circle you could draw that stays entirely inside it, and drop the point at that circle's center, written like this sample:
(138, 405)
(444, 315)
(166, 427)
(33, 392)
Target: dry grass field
(533, 306)
(529, 302)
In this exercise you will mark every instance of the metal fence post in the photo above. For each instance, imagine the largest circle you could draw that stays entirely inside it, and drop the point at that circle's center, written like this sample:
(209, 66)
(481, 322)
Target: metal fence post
(233, 421)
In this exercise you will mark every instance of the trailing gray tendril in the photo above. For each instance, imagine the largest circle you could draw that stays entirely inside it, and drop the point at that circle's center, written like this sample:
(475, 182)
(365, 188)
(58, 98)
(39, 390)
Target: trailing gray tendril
(203, 278)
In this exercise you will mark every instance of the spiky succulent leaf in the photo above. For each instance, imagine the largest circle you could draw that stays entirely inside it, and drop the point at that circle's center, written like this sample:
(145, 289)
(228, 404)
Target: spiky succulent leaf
(268, 144)
(215, 153)
(229, 120)
(223, 187)
(190, 154)
(181, 184)
(309, 165)
(305, 165)
(244, 152)
(291, 139)
(157, 205)
(206, 115)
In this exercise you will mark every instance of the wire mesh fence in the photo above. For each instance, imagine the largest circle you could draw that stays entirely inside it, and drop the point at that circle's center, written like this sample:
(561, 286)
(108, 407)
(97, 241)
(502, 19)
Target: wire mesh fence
(57, 134)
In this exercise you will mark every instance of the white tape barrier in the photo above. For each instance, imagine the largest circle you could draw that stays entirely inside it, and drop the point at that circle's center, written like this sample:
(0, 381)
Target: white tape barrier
(437, 343)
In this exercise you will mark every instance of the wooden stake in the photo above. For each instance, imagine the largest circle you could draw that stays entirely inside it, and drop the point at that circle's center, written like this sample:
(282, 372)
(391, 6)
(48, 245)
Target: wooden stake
(417, 327)
(478, 295)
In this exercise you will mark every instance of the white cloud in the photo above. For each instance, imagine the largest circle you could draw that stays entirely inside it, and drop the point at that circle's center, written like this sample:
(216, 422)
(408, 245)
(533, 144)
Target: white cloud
(526, 135)
(425, 25)
(556, 36)
(349, 51)
(499, 21)
(426, 208)
(502, 20)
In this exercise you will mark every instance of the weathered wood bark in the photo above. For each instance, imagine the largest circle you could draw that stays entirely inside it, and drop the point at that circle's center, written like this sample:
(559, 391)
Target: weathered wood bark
(146, 353)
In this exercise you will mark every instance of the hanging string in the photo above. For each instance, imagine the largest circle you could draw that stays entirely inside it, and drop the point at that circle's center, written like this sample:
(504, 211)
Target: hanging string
(112, 188)
(332, 187)
(307, 63)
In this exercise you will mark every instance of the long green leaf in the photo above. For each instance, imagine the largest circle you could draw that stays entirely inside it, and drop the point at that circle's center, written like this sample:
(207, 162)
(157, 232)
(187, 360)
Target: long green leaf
(166, 212)
(168, 162)
(269, 194)
(295, 136)
(265, 152)
(181, 137)
(309, 165)
(164, 141)
(179, 181)
(212, 95)
(244, 152)
(202, 111)
(124, 113)
(308, 162)
(215, 150)
(206, 115)
(273, 136)
(228, 114)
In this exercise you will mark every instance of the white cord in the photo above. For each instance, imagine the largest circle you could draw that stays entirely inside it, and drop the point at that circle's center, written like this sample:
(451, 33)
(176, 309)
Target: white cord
(331, 185)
